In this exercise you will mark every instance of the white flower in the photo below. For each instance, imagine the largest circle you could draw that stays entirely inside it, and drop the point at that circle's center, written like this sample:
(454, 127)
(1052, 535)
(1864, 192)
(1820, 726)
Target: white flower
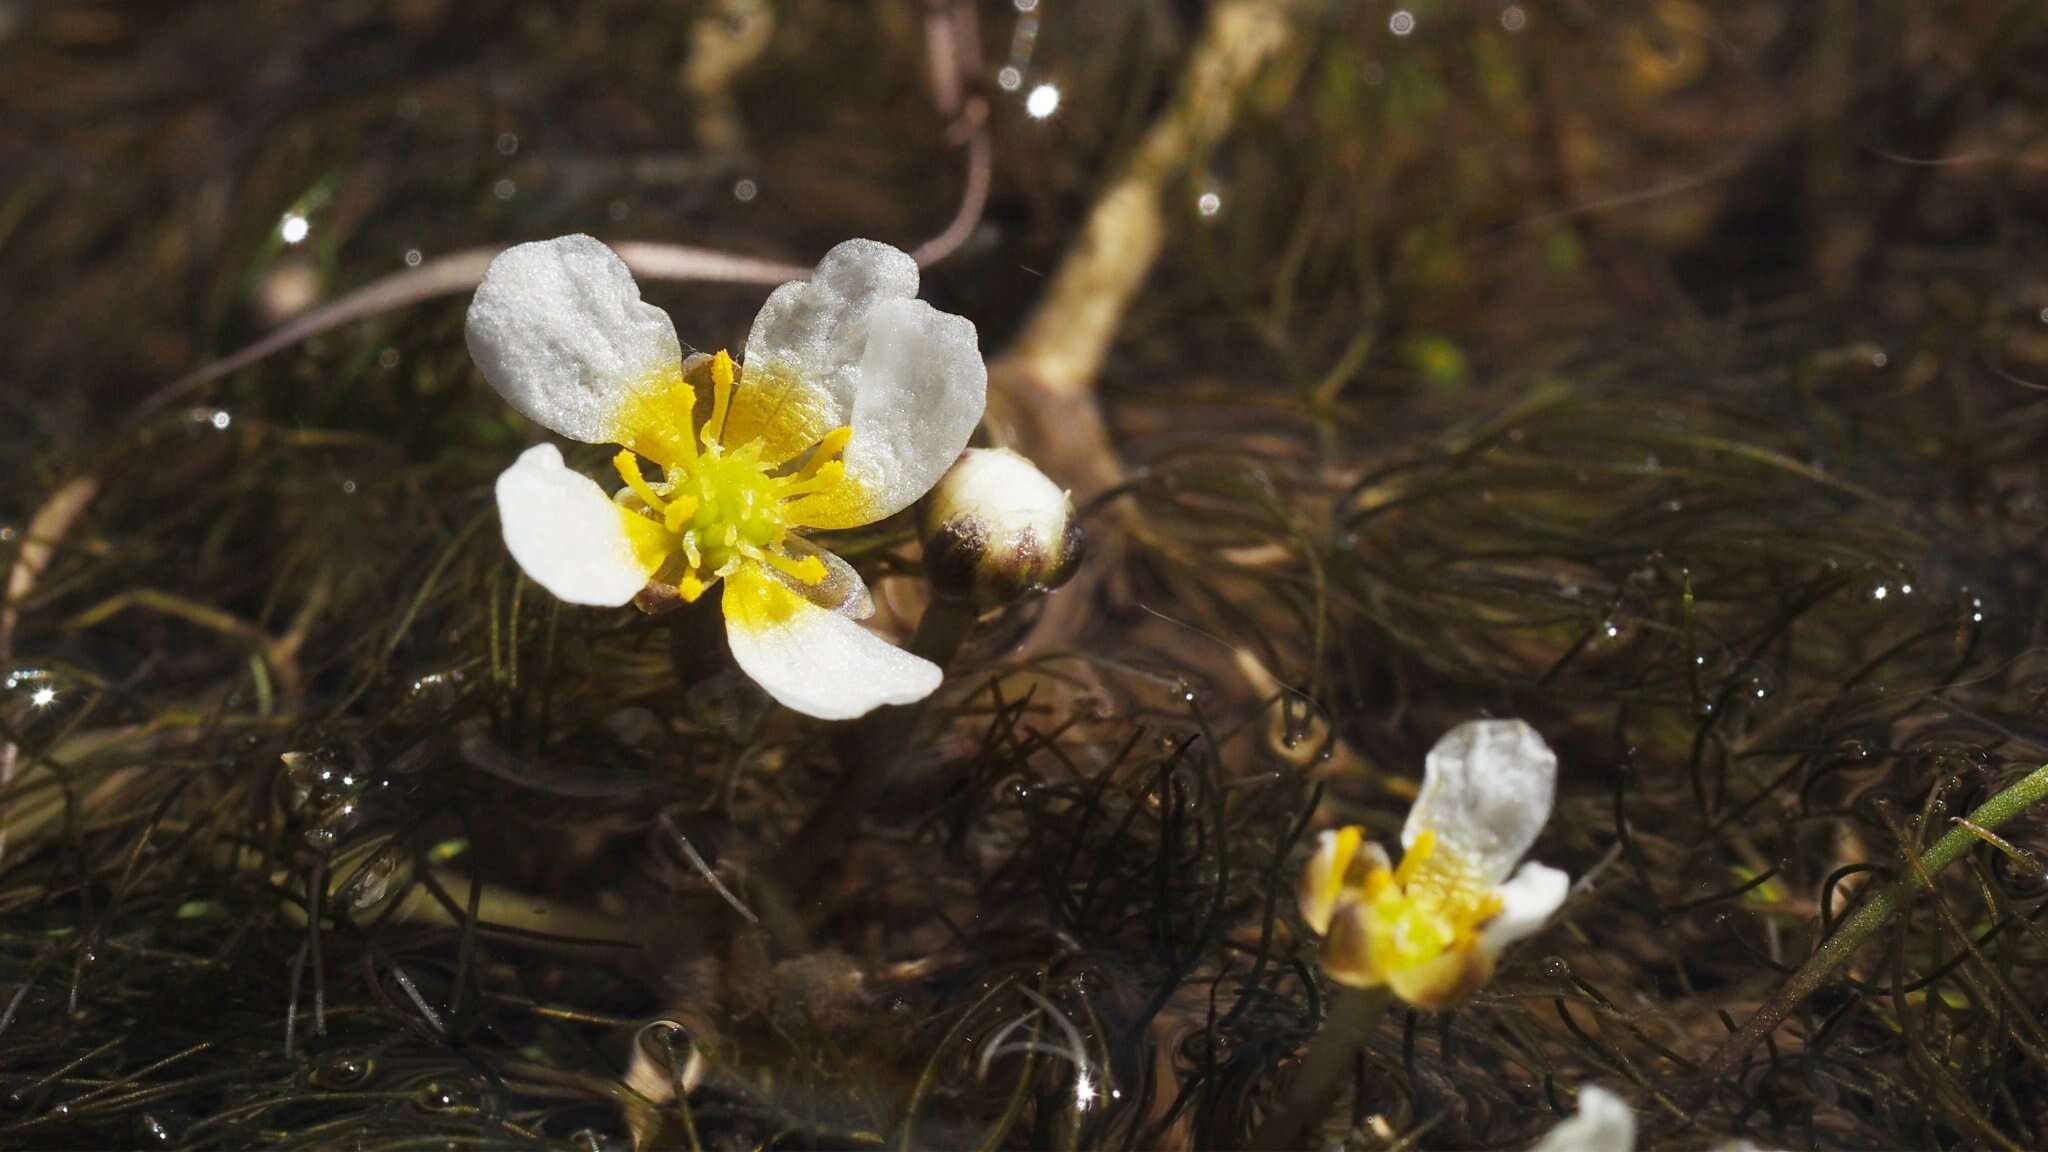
(1432, 928)
(854, 398)
(1603, 1124)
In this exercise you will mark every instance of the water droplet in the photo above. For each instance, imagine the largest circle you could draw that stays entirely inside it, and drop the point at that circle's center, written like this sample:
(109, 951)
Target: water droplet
(1042, 101)
(438, 1097)
(1556, 967)
(155, 1130)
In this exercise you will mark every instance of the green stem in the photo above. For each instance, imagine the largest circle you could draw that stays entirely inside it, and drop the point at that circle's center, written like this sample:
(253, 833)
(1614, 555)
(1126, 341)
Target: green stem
(1315, 1088)
(1858, 928)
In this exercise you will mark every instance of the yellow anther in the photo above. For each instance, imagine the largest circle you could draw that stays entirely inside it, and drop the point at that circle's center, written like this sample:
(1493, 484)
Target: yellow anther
(826, 478)
(809, 570)
(1415, 857)
(827, 452)
(1378, 881)
(679, 512)
(690, 551)
(629, 470)
(690, 586)
(721, 398)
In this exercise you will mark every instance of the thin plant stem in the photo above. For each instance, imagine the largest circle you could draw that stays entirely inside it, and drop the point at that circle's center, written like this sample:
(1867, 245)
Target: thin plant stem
(1860, 927)
(1315, 1088)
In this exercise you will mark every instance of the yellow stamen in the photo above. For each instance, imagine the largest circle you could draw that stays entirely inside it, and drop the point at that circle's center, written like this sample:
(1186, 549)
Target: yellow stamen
(721, 398)
(690, 586)
(679, 512)
(809, 570)
(1415, 857)
(827, 477)
(828, 452)
(628, 466)
(721, 505)
(1378, 881)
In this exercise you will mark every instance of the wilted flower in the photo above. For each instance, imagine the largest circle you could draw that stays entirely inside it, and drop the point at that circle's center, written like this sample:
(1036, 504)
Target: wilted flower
(995, 528)
(1603, 1124)
(854, 398)
(1431, 929)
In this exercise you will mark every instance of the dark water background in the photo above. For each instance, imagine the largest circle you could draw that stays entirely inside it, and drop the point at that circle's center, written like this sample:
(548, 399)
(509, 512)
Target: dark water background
(1667, 373)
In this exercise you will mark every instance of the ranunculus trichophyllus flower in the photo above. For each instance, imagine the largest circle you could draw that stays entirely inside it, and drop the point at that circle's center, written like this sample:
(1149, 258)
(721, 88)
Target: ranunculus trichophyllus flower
(1431, 928)
(853, 399)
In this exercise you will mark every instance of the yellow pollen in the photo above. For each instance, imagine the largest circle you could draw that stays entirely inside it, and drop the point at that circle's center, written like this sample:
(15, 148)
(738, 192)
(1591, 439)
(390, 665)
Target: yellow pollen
(809, 570)
(1433, 905)
(713, 431)
(720, 505)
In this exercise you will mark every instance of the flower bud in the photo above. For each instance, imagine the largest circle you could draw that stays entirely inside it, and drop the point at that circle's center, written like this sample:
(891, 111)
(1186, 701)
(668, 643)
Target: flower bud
(995, 529)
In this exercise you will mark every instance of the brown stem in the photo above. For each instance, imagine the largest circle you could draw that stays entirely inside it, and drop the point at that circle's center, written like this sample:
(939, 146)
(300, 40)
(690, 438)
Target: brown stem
(48, 527)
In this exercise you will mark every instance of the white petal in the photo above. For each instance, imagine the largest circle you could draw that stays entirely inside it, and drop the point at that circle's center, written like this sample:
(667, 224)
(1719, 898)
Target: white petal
(813, 660)
(559, 329)
(1527, 902)
(565, 532)
(1322, 880)
(923, 387)
(1486, 792)
(908, 377)
(1604, 1124)
(817, 329)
